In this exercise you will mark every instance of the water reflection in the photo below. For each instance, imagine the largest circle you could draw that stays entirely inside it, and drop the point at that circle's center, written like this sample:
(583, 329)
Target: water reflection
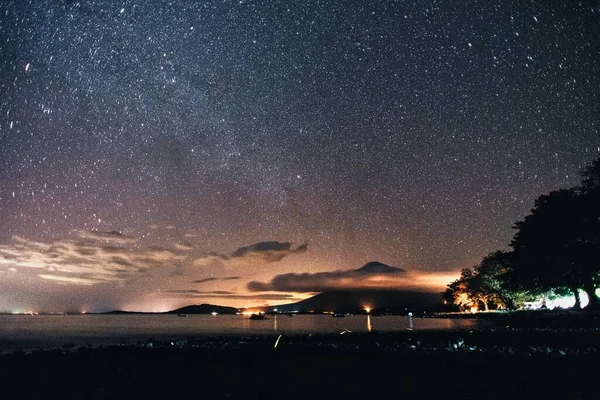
(45, 330)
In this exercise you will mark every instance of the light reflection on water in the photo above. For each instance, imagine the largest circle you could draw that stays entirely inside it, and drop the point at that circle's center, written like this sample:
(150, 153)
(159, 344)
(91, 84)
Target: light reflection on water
(28, 332)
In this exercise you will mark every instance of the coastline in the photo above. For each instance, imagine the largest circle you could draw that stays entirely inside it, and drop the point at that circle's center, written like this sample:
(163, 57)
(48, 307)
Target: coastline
(552, 319)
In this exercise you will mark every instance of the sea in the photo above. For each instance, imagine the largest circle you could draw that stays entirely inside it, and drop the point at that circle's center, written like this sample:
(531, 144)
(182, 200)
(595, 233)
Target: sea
(32, 332)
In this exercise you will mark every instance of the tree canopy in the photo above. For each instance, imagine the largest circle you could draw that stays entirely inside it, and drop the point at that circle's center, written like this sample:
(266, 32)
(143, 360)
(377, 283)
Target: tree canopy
(484, 285)
(556, 249)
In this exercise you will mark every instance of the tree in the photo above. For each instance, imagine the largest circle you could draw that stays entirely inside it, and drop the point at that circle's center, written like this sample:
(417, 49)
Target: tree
(483, 284)
(591, 176)
(544, 245)
(491, 273)
(589, 239)
(557, 246)
(460, 291)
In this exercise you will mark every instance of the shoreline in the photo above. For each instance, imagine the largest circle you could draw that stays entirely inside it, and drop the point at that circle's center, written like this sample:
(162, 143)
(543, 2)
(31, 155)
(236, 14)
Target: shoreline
(558, 319)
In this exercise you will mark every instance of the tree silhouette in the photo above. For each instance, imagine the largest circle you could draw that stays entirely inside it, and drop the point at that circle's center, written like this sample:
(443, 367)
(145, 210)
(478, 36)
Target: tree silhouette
(591, 177)
(557, 246)
(484, 284)
(492, 275)
(589, 240)
(556, 250)
(462, 291)
(545, 243)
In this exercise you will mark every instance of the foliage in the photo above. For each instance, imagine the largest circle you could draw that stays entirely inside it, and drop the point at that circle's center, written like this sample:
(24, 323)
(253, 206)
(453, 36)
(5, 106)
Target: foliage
(557, 246)
(544, 242)
(460, 291)
(485, 285)
(591, 176)
(556, 250)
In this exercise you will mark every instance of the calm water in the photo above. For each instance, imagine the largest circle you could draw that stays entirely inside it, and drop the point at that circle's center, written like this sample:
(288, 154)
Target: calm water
(43, 331)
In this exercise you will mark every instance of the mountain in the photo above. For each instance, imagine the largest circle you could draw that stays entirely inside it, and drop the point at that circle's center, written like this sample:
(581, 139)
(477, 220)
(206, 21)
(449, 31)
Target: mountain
(204, 309)
(394, 301)
(375, 267)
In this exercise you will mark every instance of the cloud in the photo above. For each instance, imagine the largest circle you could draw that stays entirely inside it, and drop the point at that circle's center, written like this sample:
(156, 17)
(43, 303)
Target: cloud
(192, 294)
(109, 237)
(88, 259)
(371, 276)
(258, 253)
(182, 291)
(227, 278)
(210, 258)
(203, 280)
(183, 246)
(69, 279)
(268, 252)
(195, 292)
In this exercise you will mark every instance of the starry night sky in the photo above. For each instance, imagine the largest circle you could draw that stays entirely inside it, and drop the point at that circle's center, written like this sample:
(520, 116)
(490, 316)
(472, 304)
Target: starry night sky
(155, 154)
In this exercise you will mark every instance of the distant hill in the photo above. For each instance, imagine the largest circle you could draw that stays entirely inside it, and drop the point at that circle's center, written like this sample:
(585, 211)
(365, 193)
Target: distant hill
(204, 309)
(394, 301)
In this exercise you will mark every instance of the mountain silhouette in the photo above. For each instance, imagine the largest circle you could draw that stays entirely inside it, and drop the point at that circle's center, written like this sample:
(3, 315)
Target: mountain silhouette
(375, 267)
(356, 300)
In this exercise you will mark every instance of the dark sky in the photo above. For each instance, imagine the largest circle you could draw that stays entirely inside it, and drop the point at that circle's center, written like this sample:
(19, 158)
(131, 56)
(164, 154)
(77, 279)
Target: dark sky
(156, 153)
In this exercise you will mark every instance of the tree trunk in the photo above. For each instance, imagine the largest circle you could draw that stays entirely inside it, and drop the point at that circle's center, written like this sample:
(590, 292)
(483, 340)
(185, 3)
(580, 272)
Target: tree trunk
(577, 305)
(590, 289)
(485, 304)
(508, 303)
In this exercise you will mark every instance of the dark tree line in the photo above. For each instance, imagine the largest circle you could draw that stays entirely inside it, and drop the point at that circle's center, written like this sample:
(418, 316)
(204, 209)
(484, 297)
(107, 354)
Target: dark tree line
(555, 251)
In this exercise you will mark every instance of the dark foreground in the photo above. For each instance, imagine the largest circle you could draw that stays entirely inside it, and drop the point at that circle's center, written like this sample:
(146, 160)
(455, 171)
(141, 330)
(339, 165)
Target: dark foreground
(508, 364)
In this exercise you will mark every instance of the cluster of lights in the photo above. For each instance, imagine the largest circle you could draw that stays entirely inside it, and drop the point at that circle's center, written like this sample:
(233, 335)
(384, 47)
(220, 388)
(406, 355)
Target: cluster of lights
(247, 312)
(24, 312)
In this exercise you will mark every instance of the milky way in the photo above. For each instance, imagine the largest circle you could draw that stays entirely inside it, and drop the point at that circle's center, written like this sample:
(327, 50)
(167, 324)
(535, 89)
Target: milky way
(313, 135)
